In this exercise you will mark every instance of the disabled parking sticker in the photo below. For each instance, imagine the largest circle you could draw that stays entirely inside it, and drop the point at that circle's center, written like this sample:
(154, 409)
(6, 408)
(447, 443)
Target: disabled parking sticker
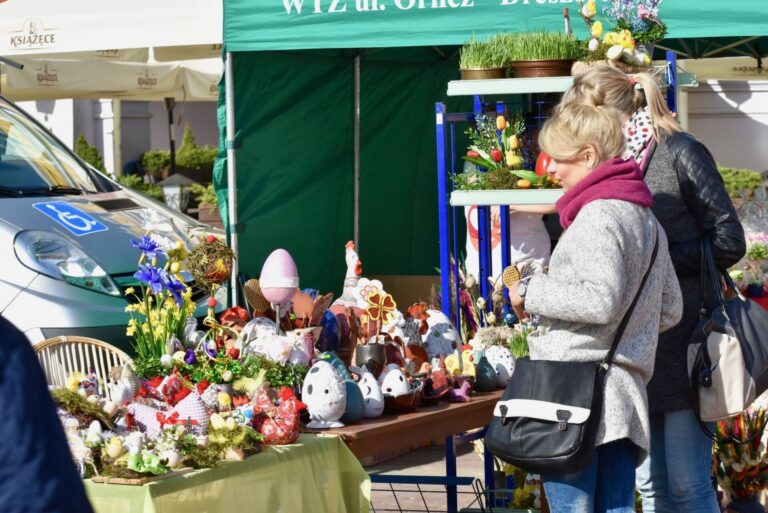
(74, 220)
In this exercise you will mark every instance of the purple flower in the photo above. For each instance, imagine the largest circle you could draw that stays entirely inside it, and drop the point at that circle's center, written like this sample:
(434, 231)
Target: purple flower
(174, 286)
(148, 246)
(150, 275)
(210, 348)
(189, 357)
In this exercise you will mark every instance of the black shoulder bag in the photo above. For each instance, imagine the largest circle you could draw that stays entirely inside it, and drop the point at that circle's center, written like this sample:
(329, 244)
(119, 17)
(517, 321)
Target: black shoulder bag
(547, 419)
(728, 353)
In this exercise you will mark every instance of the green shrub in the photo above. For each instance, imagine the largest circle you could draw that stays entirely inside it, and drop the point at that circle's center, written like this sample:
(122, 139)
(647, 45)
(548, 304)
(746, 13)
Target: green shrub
(206, 195)
(155, 161)
(192, 156)
(737, 180)
(89, 153)
(137, 184)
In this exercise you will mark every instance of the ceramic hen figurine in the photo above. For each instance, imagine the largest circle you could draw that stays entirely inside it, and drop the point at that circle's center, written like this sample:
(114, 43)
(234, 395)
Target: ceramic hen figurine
(278, 424)
(352, 277)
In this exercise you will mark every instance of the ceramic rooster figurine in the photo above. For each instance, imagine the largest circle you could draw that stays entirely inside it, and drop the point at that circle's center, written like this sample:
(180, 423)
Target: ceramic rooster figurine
(354, 271)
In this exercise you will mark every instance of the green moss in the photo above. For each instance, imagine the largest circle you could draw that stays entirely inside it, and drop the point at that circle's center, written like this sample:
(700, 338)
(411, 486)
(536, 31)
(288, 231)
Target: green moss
(77, 406)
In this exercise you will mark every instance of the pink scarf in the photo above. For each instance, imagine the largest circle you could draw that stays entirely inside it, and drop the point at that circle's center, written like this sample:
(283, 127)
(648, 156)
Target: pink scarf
(614, 179)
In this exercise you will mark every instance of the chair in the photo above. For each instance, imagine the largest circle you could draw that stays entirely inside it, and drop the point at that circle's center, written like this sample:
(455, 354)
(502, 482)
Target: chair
(60, 357)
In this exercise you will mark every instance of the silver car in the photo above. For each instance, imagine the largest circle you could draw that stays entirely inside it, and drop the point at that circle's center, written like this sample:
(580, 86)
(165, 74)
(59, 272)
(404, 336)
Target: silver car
(66, 233)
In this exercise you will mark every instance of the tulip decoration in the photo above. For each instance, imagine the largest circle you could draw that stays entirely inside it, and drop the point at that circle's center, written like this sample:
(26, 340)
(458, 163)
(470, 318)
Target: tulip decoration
(496, 151)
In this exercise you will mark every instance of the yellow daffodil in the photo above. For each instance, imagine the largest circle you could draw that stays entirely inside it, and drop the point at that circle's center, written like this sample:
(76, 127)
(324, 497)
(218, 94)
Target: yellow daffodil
(589, 9)
(597, 29)
(130, 330)
(129, 290)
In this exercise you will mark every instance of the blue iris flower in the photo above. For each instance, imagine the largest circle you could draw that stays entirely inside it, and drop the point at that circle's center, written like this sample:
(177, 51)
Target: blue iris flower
(174, 286)
(150, 275)
(148, 246)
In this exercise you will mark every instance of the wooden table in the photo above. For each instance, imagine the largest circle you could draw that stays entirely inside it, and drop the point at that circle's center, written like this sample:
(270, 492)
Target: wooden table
(389, 435)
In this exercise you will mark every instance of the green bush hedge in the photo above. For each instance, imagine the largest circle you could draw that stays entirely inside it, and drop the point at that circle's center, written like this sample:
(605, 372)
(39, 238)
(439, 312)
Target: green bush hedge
(137, 184)
(192, 156)
(737, 180)
(89, 153)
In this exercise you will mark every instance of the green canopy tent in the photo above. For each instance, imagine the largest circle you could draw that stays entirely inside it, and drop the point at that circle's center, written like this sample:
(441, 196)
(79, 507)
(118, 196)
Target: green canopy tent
(326, 116)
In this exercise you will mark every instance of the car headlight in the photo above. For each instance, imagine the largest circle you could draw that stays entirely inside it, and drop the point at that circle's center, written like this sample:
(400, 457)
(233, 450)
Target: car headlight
(55, 256)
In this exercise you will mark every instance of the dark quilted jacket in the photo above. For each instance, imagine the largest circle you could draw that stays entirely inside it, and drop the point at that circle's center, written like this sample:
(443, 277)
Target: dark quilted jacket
(691, 203)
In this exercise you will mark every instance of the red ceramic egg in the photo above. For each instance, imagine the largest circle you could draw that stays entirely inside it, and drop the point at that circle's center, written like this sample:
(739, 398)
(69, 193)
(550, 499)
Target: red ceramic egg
(542, 163)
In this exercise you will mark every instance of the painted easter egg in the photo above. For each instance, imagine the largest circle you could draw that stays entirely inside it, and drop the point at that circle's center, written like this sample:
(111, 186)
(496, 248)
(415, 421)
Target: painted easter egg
(373, 398)
(331, 333)
(502, 362)
(485, 378)
(333, 359)
(325, 395)
(441, 337)
(393, 382)
(279, 278)
(355, 404)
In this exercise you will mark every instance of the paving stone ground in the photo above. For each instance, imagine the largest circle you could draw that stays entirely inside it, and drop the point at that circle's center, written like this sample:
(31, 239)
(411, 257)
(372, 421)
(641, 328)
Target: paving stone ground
(427, 461)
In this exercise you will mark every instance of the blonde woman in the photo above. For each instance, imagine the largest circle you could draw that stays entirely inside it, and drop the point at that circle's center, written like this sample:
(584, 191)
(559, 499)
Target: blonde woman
(691, 204)
(595, 272)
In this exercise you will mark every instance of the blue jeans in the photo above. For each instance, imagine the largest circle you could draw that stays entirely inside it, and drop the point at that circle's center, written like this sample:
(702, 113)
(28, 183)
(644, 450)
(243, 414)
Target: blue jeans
(676, 475)
(606, 485)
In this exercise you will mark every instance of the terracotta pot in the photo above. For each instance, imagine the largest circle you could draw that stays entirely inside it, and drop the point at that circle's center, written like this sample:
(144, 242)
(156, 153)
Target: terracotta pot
(210, 216)
(483, 73)
(551, 68)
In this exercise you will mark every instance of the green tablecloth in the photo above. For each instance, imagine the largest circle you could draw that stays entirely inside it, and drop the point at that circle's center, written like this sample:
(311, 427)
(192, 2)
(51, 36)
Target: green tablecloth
(314, 474)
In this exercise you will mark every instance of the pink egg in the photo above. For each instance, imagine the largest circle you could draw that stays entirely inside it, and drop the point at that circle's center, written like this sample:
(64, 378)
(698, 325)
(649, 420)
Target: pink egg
(279, 277)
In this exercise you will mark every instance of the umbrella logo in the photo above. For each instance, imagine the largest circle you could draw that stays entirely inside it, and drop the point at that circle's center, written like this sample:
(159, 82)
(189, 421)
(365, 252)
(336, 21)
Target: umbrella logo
(146, 80)
(47, 76)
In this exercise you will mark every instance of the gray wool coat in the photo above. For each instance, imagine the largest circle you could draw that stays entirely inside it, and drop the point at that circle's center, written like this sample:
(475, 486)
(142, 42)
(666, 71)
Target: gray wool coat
(594, 274)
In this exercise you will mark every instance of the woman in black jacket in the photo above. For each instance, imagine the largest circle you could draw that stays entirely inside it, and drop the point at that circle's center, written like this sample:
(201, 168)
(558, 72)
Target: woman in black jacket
(691, 203)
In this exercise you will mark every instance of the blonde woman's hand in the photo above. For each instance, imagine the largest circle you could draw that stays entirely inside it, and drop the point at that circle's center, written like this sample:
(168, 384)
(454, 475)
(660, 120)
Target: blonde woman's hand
(517, 302)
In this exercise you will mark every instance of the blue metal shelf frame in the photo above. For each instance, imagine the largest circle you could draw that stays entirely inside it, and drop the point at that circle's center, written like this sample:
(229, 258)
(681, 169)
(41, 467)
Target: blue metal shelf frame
(449, 237)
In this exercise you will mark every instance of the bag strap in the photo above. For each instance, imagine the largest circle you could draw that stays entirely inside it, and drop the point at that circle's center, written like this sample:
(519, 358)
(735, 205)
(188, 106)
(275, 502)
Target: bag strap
(701, 375)
(625, 320)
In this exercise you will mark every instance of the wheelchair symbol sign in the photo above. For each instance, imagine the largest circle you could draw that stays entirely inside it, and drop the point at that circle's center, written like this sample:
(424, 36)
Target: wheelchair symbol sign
(74, 220)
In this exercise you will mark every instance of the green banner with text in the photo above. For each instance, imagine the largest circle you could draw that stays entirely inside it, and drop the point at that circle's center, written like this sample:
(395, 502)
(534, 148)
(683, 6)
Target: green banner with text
(255, 25)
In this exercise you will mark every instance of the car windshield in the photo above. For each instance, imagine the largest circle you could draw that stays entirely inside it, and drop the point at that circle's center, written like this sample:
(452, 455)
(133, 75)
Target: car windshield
(32, 162)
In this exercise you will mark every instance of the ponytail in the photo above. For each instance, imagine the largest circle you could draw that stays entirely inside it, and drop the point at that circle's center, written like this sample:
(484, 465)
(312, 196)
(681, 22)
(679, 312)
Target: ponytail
(607, 85)
(664, 123)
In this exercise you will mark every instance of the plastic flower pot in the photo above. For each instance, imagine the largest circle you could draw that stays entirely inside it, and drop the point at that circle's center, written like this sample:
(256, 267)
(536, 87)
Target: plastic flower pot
(483, 73)
(545, 68)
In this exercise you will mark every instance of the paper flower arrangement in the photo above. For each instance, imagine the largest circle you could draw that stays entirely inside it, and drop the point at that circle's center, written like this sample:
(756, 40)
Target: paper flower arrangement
(495, 151)
(742, 467)
(635, 28)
